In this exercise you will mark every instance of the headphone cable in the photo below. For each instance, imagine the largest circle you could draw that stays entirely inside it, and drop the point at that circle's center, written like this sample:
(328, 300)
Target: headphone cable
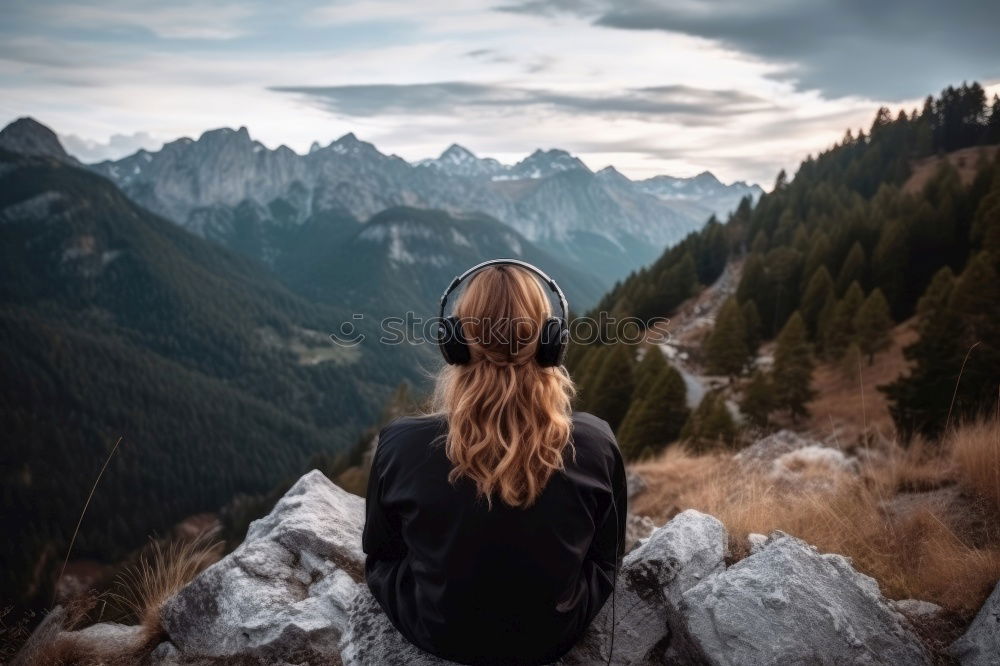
(614, 584)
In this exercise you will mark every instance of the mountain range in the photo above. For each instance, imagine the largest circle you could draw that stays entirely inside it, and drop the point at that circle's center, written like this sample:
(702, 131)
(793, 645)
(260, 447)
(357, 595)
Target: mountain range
(600, 223)
(184, 298)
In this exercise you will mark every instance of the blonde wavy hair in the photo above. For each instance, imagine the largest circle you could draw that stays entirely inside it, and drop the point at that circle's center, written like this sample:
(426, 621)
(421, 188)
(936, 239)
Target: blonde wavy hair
(509, 419)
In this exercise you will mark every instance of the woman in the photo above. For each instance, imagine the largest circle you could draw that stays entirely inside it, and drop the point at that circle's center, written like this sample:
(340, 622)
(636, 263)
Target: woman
(495, 525)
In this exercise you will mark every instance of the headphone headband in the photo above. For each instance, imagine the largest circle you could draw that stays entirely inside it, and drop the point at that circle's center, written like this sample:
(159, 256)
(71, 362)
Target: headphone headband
(507, 262)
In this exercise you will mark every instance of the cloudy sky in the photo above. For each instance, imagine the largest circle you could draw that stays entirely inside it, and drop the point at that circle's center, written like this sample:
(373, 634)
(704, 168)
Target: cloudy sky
(651, 86)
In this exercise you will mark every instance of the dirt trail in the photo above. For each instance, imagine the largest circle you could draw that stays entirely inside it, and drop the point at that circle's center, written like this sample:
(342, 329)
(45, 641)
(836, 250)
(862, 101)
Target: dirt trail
(680, 338)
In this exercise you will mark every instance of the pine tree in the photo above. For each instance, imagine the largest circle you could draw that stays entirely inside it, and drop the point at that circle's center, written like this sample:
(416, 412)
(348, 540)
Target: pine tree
(976, 302)
(840, 333)
(612, 388)
(726, 349)
(850, 362)
(824, 325)
(793, 366)
(818, 255)
(753, 281)
(710, 424)
(650, 369)
(852, 270)
(584, 373)
(920, 398)
(818, 291)
(751, 320)
(889, 266)
(758, 399)
(872, 325)
(657, 413)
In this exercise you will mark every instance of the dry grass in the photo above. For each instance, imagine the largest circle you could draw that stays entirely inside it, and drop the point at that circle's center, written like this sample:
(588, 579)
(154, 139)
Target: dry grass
(160, 573)
(842, 404)
(140, 591)
(975, 453)
(901, 519)
(964, 161)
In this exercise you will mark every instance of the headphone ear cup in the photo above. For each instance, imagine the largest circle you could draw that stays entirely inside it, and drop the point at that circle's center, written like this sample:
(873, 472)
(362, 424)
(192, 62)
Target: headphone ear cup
(451, 342)
(552, 343)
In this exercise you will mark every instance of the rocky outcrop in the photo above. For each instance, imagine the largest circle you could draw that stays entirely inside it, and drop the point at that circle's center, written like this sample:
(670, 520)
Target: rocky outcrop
(762, 454)
(284, 592)
(980, 645)
(790, 604)
(293, 593)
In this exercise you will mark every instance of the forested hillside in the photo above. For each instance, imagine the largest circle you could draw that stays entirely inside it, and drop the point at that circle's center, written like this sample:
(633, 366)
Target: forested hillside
(833, 258)
(115, 322)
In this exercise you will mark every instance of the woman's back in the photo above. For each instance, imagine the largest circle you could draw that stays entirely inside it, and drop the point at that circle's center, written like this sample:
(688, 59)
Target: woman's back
(481, 584)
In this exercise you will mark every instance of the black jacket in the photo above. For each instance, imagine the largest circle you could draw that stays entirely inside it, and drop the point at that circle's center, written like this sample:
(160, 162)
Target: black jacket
(502, 585)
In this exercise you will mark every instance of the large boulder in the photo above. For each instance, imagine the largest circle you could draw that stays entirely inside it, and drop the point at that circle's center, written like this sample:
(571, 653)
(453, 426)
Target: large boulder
(686, 551)
(980, 645)
(283, 594)
(761, 454)
(789, 604)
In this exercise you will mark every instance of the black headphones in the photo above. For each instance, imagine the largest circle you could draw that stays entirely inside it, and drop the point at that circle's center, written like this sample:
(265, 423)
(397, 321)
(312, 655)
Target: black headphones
(553, 338)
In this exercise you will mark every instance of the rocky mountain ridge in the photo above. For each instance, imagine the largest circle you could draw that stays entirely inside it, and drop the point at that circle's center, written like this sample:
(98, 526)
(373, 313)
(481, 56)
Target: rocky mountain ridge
(550, 197)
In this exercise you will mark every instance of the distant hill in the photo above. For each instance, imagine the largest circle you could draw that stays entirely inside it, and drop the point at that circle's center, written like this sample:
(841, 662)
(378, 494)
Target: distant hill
(27, 136)
(399, 260)
(114, 321)
(402, 259)
(600, 225)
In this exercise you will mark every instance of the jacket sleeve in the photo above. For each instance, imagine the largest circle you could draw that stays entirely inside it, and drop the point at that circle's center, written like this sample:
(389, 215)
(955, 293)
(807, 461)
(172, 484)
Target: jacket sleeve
(609, 542)
(381, 539)
(608, 547)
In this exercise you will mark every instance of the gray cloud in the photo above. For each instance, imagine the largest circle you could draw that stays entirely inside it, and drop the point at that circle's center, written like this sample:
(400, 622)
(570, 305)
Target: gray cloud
(693, 106)
(117, 146)
(892, 49)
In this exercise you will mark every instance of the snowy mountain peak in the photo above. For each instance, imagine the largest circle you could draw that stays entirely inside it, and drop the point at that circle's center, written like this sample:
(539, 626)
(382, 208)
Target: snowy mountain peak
(545, 163)
(457, 154)
(613, 176)
(314, 146)
(350, 144)
(457, 160)
(704, 187)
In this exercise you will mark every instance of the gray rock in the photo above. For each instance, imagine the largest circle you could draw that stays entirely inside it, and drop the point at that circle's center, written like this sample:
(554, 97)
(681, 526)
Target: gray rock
(757, 542)
(46, 633)
(108, 638)
(762, 453)
(635, 484)
(788, 604)
(292, 593)
(283, 594)
(915, 608)
(636, 529)
(980, 645)
(165, 654)
(371, 639)
(653, 579)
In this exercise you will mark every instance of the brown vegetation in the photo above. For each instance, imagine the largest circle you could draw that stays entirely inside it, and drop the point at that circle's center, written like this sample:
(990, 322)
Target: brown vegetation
(140, 591)
(848, 400)
(965, 161)
(158, 575)
(923, 521)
